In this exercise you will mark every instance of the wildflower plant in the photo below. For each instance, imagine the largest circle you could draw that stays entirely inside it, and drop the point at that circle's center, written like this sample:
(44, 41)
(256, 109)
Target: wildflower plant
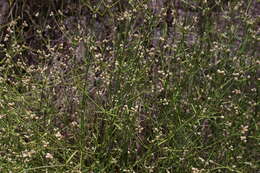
(129, 86)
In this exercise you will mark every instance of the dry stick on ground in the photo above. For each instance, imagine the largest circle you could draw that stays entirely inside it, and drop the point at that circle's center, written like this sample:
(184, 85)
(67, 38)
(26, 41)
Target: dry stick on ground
(4, 9)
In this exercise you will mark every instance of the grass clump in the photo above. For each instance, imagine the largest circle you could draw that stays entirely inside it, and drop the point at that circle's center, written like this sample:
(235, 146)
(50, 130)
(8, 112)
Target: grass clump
(129, 86)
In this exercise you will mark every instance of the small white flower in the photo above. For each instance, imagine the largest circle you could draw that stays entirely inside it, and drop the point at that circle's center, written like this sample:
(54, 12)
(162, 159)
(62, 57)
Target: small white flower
(49, 156)
(58, 135)
(2, 116)
(221, 71)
